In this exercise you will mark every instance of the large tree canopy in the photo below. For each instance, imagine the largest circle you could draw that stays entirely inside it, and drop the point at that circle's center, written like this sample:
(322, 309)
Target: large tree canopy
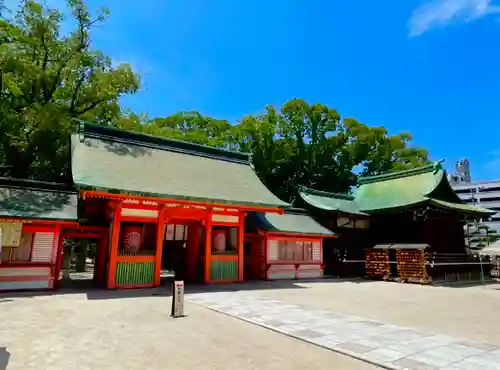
(50, 78)
(300, 144)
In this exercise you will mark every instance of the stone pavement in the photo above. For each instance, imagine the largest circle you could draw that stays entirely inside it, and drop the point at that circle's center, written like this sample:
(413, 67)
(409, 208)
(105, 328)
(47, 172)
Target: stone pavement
(132, 330)
(385, 345)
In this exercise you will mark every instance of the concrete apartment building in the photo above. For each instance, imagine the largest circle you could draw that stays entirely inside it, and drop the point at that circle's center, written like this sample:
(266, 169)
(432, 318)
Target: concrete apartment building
(484, 194)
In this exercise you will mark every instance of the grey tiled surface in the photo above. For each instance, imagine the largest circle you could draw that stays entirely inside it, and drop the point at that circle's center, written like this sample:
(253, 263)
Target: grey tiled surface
(387, 345)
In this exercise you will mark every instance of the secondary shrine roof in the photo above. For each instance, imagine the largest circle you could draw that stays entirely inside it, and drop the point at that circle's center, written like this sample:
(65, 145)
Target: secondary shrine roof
(117, 161)
(335, 202)
(37, 200)
(293, 221)
(427, 185)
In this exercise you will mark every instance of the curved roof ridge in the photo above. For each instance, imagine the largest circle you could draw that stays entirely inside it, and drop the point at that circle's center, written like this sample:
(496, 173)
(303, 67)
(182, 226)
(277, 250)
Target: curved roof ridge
(432, 167)
(325, 193)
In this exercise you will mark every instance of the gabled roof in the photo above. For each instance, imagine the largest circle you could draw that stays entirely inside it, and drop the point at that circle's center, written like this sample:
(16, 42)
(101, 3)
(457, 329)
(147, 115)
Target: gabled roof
(293, 221)
(424, 185)
(118, 161)
(37, 200)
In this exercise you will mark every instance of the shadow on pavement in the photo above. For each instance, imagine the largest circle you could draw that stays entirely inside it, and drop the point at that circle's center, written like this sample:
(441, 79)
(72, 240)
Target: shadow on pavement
(165, 289)
(4, 358)
(490, 284)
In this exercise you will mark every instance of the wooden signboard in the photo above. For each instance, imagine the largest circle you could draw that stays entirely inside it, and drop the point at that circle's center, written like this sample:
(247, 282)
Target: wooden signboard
(11, 233)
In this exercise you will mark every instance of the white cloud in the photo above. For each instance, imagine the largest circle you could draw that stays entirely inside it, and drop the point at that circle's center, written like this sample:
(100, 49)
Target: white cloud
(441, 13)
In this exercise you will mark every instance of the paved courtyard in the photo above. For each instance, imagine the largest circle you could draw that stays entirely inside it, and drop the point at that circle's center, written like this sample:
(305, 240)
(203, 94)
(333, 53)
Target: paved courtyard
(469, 312)
(132, 330)
(399, 326)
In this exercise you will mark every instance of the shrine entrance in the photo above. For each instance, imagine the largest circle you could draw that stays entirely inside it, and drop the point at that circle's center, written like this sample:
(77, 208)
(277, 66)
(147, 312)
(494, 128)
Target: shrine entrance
(175, 247)
(81, 258)
(202, 247)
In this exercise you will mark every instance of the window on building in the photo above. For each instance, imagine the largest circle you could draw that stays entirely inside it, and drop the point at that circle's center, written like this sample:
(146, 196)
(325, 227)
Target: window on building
(487, 190)
(296, 250)
(33, 247)
(490, 199)
(463, 191)
(176, 232)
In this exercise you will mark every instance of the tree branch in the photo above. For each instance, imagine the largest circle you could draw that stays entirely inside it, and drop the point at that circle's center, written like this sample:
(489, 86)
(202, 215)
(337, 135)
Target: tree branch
(75, 93)
(90, 107)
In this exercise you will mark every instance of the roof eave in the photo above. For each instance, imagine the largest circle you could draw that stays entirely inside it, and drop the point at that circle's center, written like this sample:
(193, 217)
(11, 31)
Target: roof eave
(477, 212)
(395, 208)
(121, 193)
(297, 234)
(329, 209)
(37, 218)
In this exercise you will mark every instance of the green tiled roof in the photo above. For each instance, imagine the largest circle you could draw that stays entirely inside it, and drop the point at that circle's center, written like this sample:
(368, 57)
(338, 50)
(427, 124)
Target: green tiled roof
(330, 201)
(419, 186)
(400, 189)
(37, 201)
(118, 161)
(293, 221)
(462, 207)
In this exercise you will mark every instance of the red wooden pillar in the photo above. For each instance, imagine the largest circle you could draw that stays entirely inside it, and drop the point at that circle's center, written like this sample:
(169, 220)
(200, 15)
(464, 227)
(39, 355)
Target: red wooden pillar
(113, 250)
(192, 250)
(160, 237)
(241, 247)
(256, 258)
(59, 260)
(208, 247)
(100, 260)
(54, 259)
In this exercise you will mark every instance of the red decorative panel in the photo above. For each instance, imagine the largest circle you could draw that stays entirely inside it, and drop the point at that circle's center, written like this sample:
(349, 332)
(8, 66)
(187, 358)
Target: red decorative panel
(132, 238)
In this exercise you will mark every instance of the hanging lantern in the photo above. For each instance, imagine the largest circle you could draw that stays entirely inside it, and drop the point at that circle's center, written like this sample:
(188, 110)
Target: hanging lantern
(132, 238)
(219, 240)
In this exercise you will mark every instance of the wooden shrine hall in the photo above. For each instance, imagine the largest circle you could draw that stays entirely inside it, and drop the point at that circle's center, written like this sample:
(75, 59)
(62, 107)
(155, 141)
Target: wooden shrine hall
(35, 219)
(169, 205)
(406, 225)
(288, 246)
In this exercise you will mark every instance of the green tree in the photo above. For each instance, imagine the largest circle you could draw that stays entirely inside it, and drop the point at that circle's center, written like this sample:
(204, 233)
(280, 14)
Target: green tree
(49, 78)
(378, 153)
(481, 236)
(309, 144)
(300, 144)
(189, 126)
(272, 154)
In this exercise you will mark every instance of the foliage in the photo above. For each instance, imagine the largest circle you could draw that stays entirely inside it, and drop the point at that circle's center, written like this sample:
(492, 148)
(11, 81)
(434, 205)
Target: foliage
(481, 236)
(189, 126)
(48, 79)
(300, 144)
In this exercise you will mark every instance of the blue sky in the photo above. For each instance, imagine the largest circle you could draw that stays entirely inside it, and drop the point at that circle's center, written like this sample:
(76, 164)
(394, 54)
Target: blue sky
(428, 67)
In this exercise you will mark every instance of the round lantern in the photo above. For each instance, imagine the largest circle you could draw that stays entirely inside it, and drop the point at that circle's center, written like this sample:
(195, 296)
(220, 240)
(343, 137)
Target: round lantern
(132, 240)
(219, 240)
